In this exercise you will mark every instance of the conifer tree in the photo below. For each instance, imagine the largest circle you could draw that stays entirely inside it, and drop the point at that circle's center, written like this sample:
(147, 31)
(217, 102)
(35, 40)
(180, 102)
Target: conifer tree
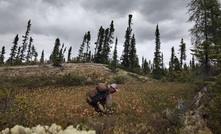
(206, 31)
(55, 56)
(2, 55)
(171, 63)
(24, 44)
(28, 57)
(81, 50)
(182, 52)
(146, 68)
(42, 57)
(106, 47)
(69, 54)
(34, 53)
(61, 53)
(17, 59)
(13, 53)
(111, 33)
(88, 39)
(114, 61)
(157, 61)
(125, 60)
(134, 62)
(99, 46)
(193, 63)
(176, 64)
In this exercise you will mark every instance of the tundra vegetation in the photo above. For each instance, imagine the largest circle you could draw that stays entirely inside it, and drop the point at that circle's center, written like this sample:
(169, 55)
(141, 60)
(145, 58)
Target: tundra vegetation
(36, 98)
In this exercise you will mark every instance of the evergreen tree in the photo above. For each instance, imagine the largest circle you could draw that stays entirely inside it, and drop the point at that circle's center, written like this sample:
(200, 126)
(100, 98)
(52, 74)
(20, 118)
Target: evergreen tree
(55, 56)
(134, 62)
(171, 74)
(111, 33)
(81, 50)
(157, 61)
(171, 63)
(17, 59)
(13, 53)
(114, 61)
(193, 62)
(162, 61)
(206, 31)
(2, 55)
(176, 64)
(28, 57)
(24, 44)
(182, 52)
(69, 54)
(42, 57)
(88, 39)
(106, 47)
(146, 68)
(99, 46)
(34, 53)
(61, 53)
(125, 60)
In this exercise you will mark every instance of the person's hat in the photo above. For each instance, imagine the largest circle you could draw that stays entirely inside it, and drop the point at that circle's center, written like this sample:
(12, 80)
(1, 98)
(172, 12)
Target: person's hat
(114, 86)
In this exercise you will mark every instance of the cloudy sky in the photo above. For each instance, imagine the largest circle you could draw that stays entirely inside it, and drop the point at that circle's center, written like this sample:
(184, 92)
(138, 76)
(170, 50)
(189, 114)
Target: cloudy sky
(69, 20)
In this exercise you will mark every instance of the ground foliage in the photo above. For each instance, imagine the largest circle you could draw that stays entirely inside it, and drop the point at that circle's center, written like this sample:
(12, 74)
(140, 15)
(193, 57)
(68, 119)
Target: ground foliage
(137, 108)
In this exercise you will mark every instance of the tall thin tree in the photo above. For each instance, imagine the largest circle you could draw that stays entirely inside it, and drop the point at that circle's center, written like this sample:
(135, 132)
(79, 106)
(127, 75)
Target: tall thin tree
(125, 60)
(24, 44)
(157, 61)
(13, 50)
(2, 55)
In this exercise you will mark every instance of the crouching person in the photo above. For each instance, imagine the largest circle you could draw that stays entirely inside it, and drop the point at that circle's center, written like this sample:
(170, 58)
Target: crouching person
(100, 97)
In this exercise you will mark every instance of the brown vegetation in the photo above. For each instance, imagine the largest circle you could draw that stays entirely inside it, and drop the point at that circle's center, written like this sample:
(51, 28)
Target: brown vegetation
(137, 108)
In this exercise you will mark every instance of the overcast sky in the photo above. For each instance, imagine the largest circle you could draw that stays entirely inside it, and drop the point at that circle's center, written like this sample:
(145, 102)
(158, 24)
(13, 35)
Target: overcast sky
(69, 20)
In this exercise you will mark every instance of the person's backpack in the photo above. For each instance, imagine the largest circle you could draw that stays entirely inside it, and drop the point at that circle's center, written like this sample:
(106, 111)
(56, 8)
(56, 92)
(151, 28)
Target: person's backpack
(97, 94)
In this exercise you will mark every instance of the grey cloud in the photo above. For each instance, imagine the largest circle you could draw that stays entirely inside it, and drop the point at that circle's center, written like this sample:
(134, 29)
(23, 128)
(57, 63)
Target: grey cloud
(119, 8)
(156, 10)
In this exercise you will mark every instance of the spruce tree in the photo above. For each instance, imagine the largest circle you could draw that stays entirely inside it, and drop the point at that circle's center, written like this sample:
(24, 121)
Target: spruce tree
(34, 53)
(81, 50)
(2, 55)
(111, 32)
(182, 53)
(61, 53)
(69, 54)
(134, 62)
(55, 56)
(28, 57)
(42, 57)
(98, 57)
(114, 61)
(146, 68)
(88, 39)
(125, 60)
(17, 58)
(171, 63)
(106, 47)
(157, 61)
(24, 44)
(13, 53)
